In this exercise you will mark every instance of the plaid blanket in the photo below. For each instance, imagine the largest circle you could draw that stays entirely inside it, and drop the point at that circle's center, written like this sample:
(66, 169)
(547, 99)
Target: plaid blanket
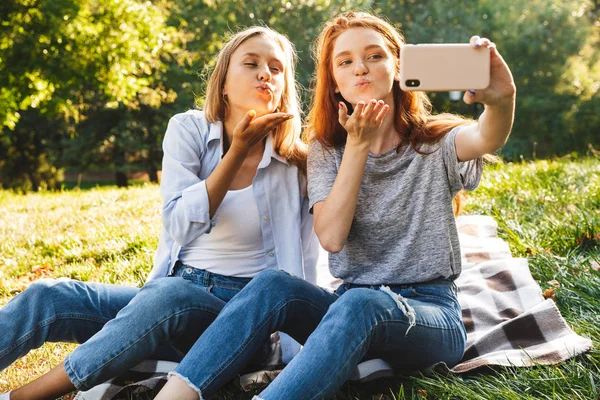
(508, 320)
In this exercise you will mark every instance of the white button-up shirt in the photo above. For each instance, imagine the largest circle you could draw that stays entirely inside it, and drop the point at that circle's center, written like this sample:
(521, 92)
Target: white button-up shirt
(192, 149)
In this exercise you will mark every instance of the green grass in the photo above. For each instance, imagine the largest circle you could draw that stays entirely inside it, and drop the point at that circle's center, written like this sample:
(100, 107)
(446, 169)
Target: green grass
(548, 211)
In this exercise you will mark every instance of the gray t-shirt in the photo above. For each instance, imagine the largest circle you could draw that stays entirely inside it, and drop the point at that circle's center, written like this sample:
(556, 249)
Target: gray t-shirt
(403, 229)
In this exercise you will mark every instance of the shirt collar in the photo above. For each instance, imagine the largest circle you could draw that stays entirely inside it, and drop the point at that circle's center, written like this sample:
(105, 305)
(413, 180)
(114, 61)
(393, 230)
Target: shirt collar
(215, 132)
(270, 153)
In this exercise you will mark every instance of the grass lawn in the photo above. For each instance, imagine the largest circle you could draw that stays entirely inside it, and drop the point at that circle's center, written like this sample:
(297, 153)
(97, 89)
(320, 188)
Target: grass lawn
(548, 211)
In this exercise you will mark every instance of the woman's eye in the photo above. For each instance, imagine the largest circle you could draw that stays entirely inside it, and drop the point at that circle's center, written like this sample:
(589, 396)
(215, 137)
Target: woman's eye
(344, 62)
(276, 69)
(375, 57)
(251, 64)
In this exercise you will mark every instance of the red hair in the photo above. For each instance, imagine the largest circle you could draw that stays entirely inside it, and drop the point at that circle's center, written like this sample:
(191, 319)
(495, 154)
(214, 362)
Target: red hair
(412, 110)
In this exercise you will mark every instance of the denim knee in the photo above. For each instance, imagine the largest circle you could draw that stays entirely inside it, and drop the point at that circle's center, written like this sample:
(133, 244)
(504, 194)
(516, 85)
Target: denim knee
(277, 284)
(168, 293)
(42, 292)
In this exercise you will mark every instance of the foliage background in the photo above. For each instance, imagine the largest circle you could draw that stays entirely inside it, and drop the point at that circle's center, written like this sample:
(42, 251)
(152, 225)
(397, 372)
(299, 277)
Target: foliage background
(90, 84)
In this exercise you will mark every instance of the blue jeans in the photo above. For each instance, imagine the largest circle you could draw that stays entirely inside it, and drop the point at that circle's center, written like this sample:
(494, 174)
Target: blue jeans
(118, 326)
(409, 326)
(171, 311)
(61, 310)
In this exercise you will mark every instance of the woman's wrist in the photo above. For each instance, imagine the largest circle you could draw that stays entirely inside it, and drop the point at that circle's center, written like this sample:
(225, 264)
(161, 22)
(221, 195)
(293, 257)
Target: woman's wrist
(359, 145)
(238, 150)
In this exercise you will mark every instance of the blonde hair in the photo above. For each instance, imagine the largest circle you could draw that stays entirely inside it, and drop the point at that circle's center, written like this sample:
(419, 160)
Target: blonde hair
(286, 137)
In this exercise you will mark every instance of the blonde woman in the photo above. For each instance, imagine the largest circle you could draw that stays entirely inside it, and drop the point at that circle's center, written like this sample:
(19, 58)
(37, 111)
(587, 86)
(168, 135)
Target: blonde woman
(233, 188)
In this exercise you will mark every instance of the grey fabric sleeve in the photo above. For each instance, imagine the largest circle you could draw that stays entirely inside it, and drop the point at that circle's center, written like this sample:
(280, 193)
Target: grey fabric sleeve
(461, 175)
(322, 171)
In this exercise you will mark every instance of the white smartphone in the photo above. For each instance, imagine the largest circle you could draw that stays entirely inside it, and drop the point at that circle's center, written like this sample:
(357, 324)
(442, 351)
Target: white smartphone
(444, 67)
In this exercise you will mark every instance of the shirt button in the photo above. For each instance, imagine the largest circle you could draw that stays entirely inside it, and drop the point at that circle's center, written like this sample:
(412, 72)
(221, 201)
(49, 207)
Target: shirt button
(266, 218)
(188, 270)
(271, 254)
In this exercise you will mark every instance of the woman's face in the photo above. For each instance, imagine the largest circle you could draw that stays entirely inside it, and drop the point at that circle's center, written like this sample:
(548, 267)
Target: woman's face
(363, 66)
(256, 77)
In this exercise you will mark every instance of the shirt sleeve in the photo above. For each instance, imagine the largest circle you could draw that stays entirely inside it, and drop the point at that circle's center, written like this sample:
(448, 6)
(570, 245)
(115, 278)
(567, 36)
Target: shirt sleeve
(310, 242)
(185, 211)
(322, 171)
(461, 175)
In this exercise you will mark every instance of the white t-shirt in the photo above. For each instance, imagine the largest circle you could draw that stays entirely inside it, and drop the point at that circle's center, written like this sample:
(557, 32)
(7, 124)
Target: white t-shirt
(234, 247)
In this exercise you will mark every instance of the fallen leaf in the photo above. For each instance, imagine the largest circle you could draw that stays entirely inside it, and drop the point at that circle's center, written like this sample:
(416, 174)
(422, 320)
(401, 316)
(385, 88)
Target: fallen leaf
(571, 208)
(554, 283)
(422, 393)
(572, 187)
(549, 294)
(595, 265)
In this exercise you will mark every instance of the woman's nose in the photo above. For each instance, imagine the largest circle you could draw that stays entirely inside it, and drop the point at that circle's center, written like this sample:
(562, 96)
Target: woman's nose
(360, 69)
(264, 74)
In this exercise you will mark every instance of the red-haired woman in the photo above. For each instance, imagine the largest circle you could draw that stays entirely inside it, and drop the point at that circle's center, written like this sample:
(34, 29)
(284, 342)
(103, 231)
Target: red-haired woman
(382, 175)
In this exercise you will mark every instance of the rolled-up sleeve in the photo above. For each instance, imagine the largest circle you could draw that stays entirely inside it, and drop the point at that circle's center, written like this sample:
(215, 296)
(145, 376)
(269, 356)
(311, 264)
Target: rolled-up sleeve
(322, 172)
(461, 174)
(185, 212)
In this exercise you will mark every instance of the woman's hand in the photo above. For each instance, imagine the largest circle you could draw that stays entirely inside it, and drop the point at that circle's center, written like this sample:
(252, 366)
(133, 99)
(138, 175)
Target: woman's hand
(493, 127)
(501, 91)
(362, 125)
(249, 131)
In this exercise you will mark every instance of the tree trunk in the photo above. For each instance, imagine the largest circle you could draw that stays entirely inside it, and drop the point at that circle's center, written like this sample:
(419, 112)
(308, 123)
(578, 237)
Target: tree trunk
(121, 179)
(119, 161)
(153, 174)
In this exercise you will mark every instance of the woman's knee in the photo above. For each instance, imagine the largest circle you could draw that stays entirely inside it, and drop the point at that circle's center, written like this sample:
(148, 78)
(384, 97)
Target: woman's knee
(166, 292)
(45, 291)
(277, 283)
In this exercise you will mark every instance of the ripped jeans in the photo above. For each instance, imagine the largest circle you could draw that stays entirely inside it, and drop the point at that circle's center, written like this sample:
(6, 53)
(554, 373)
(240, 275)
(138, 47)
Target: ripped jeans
(410, 327)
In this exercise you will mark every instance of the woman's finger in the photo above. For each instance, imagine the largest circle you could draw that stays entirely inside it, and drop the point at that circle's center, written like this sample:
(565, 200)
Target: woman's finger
(377, 109)
(273, 122)
(474, 96)
(484, 42)
(342, 113)
(382, 112)
(358, 110)
(246, 120)
(369, 108)
(475, 41)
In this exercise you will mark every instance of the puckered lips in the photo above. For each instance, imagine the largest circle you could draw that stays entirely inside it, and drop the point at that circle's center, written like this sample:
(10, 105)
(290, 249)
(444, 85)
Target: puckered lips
(362, 84)
(265, 89)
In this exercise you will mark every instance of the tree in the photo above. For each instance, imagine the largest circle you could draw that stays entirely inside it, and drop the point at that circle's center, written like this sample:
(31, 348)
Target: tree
(70, 58)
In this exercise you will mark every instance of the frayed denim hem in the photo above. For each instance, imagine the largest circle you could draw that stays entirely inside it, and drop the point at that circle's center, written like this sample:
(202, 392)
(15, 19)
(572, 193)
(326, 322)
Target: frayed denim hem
(403, 306)
(187, 381)
(256, 398)
(73, 376)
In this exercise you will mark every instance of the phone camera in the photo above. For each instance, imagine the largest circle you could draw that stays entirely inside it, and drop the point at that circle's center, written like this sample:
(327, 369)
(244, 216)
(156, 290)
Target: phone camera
(413, 83)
